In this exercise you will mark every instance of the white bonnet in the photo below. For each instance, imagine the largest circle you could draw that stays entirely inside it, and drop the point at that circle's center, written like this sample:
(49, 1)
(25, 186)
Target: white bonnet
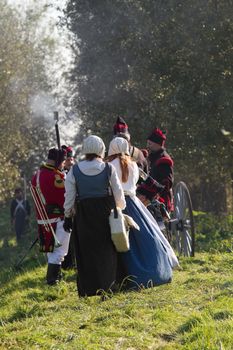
(118, 145)
(93, 144)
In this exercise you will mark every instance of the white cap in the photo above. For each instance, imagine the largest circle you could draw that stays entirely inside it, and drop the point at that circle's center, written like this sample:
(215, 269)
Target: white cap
(118, 145)
(93, 144)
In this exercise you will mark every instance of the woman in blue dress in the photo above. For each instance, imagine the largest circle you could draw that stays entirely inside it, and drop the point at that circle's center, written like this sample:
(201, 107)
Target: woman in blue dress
(150, 259)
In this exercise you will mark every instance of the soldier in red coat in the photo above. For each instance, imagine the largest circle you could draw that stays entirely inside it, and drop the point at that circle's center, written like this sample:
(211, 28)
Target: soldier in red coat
(69, 159)
(161, 166)
(48, 185)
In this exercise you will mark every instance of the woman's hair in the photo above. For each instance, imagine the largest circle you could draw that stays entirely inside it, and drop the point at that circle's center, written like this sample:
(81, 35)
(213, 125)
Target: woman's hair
(124, 161)
(91, 156)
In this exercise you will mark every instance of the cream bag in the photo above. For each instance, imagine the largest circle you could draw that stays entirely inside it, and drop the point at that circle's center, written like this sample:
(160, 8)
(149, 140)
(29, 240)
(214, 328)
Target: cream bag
(120, 225)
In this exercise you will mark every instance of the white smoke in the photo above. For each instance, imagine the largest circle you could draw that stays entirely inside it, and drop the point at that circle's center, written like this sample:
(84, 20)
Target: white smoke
(68, 132)
(42, 106)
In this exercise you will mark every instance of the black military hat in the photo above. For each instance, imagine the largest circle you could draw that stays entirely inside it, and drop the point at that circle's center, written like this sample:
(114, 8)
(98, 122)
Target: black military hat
(68, 150)
(58, 155)
(157, 136)
(18, 190)
(121, 129)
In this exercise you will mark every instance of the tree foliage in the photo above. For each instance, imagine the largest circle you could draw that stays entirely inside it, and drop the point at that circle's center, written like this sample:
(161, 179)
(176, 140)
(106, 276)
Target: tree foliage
(22, 75)
(159, 63)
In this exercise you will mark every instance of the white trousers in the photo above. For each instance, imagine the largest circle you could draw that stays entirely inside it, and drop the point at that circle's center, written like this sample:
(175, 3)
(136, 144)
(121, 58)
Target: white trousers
(58, 254)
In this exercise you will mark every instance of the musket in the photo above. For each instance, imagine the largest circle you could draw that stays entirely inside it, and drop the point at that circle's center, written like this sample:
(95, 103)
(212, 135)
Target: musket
(55, 114)
(16, 266)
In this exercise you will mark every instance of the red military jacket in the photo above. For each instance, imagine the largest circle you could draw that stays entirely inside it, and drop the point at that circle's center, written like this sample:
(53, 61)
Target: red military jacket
(51, 184)
(161, 169)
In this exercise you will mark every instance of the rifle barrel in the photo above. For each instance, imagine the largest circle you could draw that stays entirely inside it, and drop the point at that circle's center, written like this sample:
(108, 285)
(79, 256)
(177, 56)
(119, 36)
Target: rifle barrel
(57, 136)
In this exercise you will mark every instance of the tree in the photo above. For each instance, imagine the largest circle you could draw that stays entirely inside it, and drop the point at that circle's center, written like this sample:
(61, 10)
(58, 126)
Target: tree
(159, 63)
(22, 75)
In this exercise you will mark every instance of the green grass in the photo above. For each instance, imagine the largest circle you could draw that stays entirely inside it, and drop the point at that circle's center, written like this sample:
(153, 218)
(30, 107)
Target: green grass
(195, 311)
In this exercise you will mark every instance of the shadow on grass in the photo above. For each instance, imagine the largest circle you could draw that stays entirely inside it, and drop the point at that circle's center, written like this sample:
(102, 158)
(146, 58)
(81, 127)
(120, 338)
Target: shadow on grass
(9, 280)
(22, 313)
(11, 254)
(188, 325)
(223, 315)
(168, 337)
(13, 285)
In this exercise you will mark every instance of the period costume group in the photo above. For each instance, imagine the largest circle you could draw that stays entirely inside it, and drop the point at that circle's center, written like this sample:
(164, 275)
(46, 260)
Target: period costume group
(80, 199)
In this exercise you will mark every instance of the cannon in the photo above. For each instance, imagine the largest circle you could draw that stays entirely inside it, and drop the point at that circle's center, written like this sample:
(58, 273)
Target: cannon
(181, 224)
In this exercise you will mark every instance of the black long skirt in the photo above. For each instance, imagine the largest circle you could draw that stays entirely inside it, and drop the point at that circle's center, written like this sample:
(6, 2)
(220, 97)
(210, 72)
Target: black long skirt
(95, 253)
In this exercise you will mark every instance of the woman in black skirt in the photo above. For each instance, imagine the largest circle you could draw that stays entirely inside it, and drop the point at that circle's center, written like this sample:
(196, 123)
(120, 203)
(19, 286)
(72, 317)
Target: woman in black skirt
(89, 182)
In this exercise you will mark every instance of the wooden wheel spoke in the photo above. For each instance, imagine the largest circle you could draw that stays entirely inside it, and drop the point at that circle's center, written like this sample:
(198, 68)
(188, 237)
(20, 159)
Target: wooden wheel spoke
(185, 233)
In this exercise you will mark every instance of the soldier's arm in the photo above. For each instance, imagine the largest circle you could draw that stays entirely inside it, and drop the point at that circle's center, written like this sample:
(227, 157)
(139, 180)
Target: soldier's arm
(165, 176)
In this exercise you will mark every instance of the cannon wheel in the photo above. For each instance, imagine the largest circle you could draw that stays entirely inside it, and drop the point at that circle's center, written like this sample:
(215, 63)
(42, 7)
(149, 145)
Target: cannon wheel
(184, 229)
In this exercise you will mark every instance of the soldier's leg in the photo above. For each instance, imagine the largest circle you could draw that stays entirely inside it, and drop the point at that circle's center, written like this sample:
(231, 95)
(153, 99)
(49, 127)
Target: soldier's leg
(57, 256)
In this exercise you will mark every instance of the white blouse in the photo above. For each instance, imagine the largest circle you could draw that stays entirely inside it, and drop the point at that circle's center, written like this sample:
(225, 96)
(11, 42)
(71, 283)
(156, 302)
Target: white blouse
(92, 167)
(130, 186)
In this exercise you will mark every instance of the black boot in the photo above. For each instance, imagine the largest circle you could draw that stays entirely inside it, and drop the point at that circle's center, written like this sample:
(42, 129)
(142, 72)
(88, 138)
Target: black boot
(53, 274)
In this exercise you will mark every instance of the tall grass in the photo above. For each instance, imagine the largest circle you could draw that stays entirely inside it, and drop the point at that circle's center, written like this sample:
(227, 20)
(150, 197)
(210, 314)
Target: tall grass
(195, 311)
(214, 232)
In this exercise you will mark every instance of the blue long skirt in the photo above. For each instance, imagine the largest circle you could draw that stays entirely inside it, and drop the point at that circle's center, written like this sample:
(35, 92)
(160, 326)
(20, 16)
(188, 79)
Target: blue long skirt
(147, 262)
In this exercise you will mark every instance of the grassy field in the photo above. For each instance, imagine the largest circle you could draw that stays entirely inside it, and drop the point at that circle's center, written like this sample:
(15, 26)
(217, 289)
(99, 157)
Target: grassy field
(195, 311)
